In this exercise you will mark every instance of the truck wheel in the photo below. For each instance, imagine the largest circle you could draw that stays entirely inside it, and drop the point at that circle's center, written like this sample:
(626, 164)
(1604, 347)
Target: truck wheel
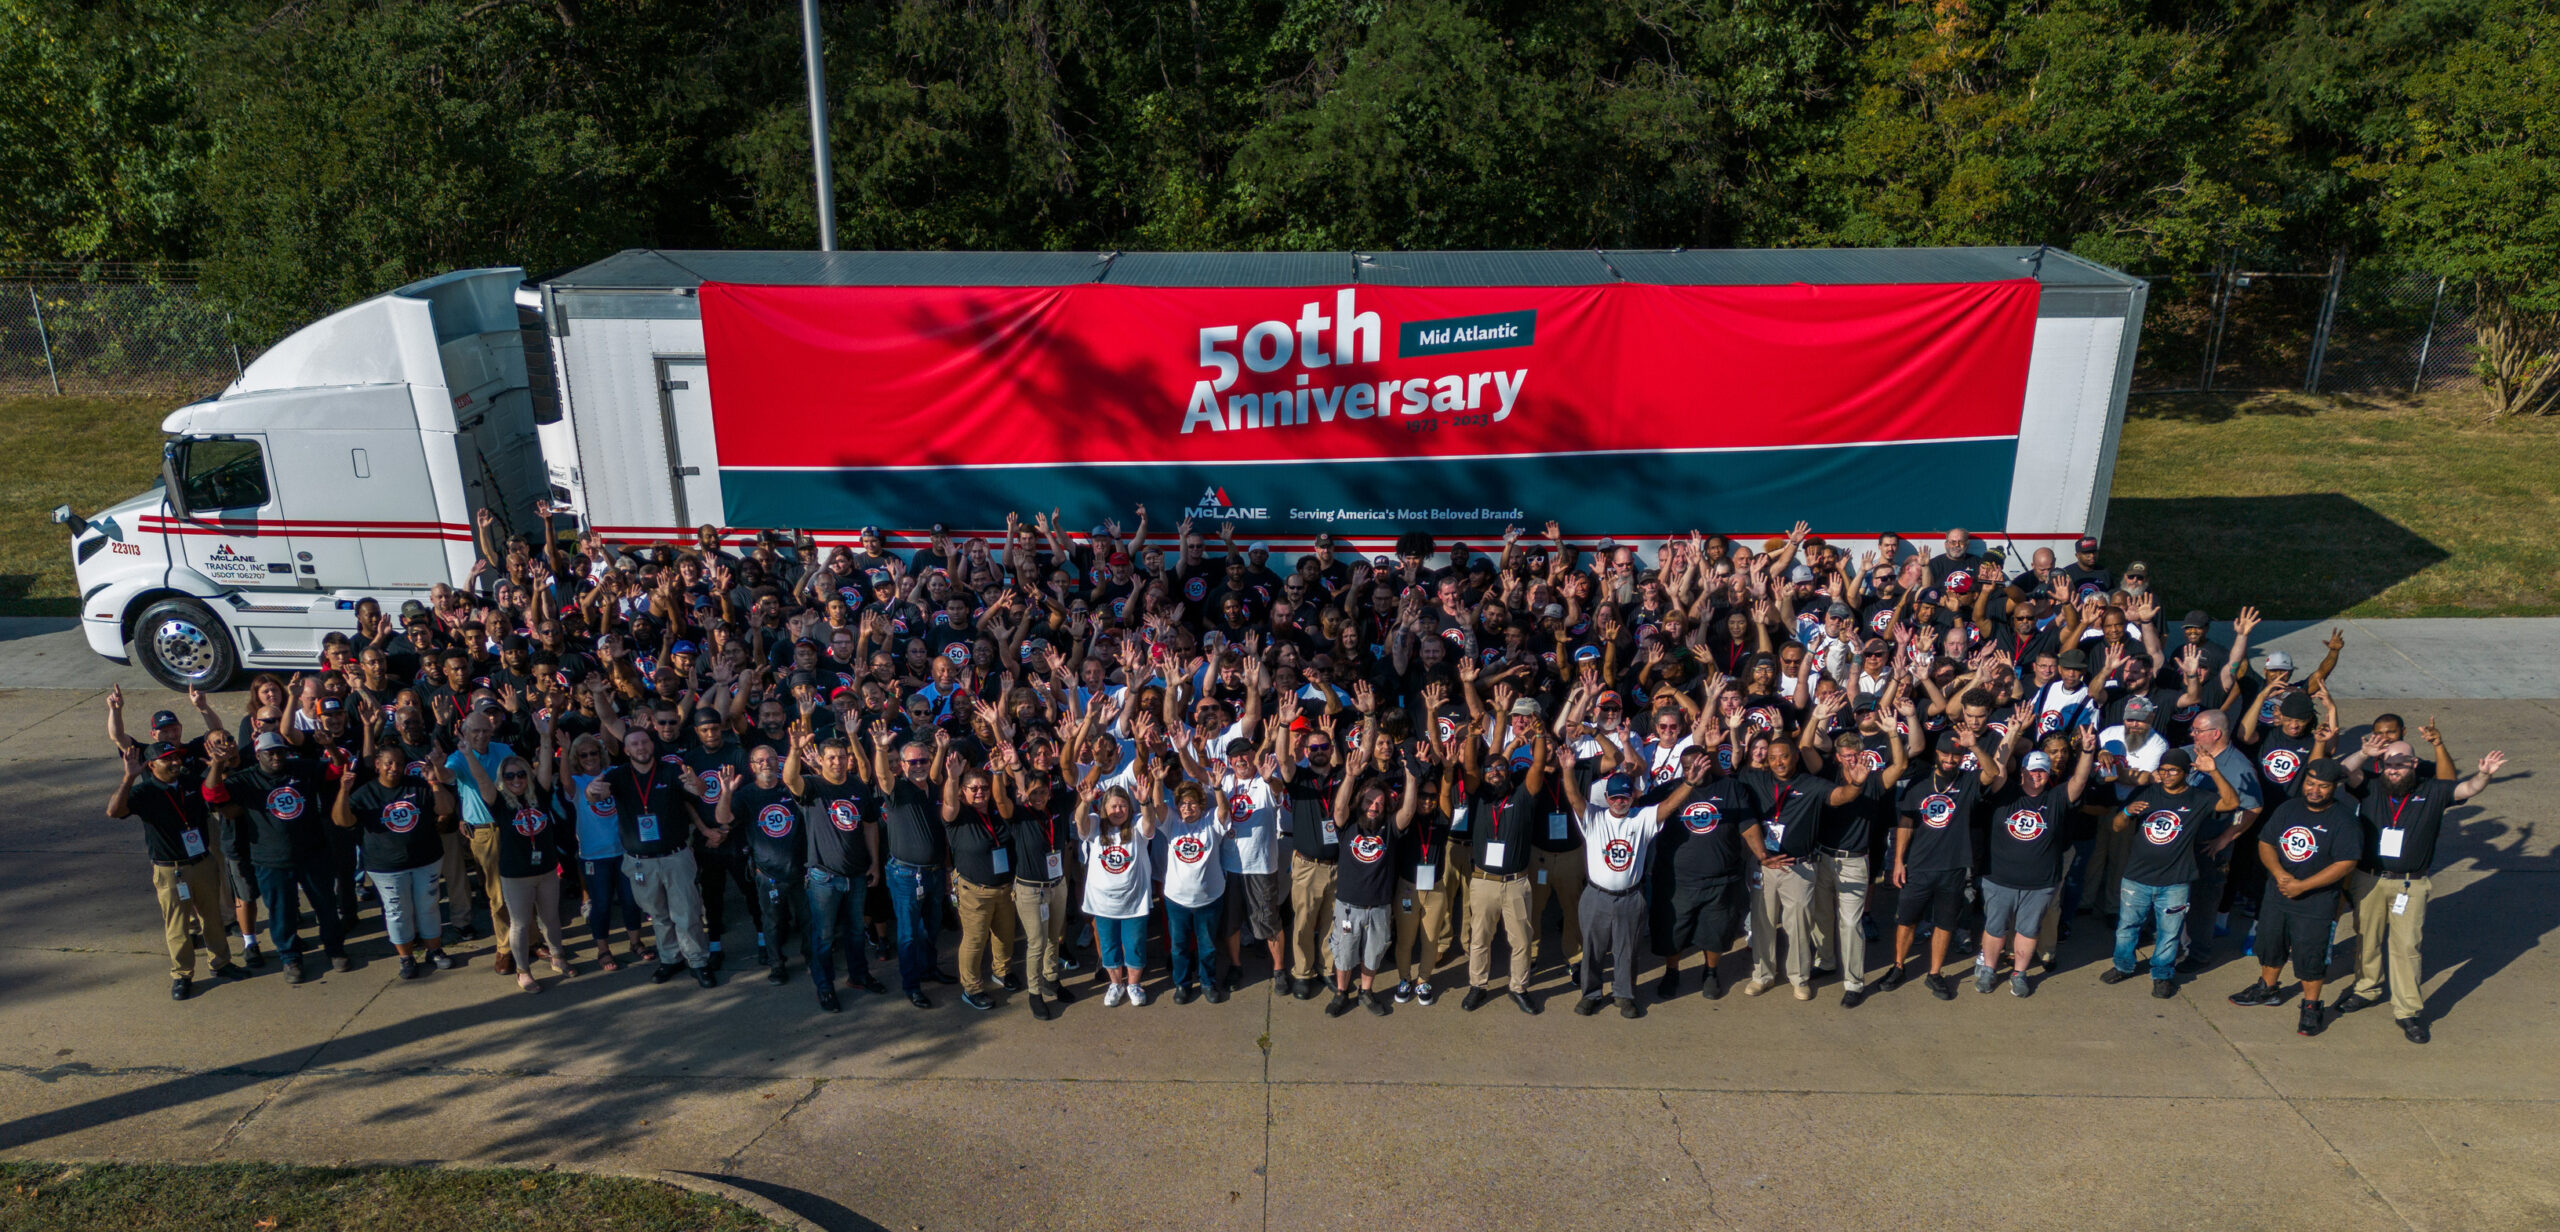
(184, 646)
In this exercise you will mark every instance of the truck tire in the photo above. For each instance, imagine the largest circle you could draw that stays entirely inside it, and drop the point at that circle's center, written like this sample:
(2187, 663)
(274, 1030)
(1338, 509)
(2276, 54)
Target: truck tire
(184, 646)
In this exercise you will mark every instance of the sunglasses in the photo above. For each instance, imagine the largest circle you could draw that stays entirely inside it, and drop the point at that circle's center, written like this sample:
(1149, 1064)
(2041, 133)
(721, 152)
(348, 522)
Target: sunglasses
(513, 774)
(912, 762)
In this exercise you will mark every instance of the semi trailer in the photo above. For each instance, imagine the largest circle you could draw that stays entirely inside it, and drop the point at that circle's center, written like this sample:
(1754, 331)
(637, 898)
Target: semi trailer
(1634, 395)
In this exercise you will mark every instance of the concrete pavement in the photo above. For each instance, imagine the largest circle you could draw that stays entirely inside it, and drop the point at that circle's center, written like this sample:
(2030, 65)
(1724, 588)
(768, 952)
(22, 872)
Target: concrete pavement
(1262, 1113)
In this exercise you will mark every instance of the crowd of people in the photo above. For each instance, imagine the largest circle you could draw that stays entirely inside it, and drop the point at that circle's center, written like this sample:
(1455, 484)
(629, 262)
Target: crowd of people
(1364, 779)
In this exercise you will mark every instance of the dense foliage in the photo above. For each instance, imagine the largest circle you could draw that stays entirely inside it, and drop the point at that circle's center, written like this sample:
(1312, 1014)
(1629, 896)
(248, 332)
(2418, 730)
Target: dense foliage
(313, 151)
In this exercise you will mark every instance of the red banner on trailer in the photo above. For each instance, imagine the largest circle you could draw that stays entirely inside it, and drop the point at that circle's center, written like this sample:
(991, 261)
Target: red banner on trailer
(855, 378)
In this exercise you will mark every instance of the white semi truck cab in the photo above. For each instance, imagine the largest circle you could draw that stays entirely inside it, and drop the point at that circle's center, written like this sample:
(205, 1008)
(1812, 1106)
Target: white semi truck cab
(351, 460)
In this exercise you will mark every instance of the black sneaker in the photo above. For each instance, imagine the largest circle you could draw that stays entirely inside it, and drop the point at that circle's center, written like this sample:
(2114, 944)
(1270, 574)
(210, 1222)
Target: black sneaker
(2194, 961)
(2257, 993)
(1852, 998)
(442, 960)
(2352, 1002)
(1628, 1008)
(2314, 1019)
(1183, 994)
(182, 988)
(713, 960)
(342, 964)
(1587, 1006)
(1526, 1005)
(1009, 982)
(1892, 979)
(776, 976)
(1425, 993)
(295, 972)
(1308, 988)
(872, 984)
(919, 1000)
(1217, 992)
(254, 959)
(827, 1001)
(411, 968)
(1939, 986)
(1040, 1008)
(1374, 1003)
(1339, 1006)
(1475, 999)
(230, 971)
(1235, 980)
(2164, 989)
(1712, 988)
(704, 977)
(945, 977)
(2116, 975)
(1059, 994)
(665, 972)
(976, 1001)
(1669, 987)
(2415, 1029)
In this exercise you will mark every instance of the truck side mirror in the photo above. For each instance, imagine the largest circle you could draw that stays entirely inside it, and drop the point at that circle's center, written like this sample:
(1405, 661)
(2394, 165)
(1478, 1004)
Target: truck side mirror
(170, 455)
(62, 516)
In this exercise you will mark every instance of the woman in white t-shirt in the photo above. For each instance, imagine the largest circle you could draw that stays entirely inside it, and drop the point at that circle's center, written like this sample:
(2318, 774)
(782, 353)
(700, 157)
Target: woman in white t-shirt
(1195, 887)
(1113, 828)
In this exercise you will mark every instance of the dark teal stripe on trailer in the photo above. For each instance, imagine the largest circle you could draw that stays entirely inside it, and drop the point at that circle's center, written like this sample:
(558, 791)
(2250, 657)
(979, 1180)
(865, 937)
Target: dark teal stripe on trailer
(1851, 488)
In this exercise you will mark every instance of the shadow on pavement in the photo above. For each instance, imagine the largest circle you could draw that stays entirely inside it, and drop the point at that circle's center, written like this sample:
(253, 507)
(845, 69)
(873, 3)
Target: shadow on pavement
(820, 1211)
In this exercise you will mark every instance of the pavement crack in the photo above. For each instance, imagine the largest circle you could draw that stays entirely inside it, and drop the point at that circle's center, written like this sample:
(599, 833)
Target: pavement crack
(1680, 1138)
(728, 1165)
(232, 1131)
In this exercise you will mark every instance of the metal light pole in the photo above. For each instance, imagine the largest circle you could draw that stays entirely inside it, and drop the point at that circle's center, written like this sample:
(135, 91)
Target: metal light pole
(818, 126)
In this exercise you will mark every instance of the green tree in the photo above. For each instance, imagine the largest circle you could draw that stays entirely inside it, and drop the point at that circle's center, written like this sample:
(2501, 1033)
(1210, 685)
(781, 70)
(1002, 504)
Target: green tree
(98, 140)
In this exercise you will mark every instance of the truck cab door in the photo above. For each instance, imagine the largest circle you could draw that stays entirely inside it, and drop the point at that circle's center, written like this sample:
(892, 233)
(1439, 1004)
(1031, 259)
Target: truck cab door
(225, 521)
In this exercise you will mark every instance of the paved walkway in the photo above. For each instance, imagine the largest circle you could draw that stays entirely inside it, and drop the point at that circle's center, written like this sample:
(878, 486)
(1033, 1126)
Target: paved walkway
(1261, 1113)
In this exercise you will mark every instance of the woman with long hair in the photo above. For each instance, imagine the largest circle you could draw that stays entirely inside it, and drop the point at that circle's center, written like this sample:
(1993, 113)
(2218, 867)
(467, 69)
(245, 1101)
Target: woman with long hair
(528, 860)
(1114, 828)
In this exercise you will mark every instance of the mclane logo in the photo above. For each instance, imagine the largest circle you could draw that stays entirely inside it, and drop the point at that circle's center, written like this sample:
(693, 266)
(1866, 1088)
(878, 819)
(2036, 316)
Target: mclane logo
(1619, 854)
(1240, 807)
(1215, 503)
(2282, 764)
(844, 815)
(1115, 860)
(1937, 809)
(400, 816)
(531, 822)
(284, 803)
(1316, 342)
(1701, 817)
(1190, 849)
(775, 820)
(1368, 848)
(2297, 843)
(2026, 825)
(2162, 828)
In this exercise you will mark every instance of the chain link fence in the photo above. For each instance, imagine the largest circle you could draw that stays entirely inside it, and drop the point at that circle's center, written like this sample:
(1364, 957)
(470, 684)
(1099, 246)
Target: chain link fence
(2356, 328)
(112, 329)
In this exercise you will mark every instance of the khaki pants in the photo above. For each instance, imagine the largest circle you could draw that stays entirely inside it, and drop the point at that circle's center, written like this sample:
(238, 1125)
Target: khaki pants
(1784, 902)
(1041, 910)
(985, 914)
(1311, 885)
(483, 841)
(2098, 886)
(1839, 904)
(1505, 905)
(457, 887)
(2384, 937)
(1561, 874)
(203, 903)
(666, 891)
(1425, 912)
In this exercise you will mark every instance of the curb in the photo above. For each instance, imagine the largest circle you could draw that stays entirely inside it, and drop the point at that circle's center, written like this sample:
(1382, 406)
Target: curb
(772, 1211)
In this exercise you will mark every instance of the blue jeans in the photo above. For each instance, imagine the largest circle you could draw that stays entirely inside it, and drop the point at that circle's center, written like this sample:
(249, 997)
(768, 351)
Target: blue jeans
(276, 891)
(1192, 932)
(915, 898)
(606, 886)
(409, 904)
(835, 922)
(2165, 907)
(1123, 942)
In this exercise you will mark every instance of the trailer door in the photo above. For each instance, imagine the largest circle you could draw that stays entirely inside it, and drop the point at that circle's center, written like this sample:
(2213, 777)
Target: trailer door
(693, 461)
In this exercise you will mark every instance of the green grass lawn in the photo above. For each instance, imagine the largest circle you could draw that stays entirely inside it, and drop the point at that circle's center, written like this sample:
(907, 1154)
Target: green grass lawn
(279, 1198)
(2306, 507)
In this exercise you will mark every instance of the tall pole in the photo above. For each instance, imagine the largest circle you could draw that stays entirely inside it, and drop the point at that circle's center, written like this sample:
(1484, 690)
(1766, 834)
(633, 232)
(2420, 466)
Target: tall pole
(818, 126)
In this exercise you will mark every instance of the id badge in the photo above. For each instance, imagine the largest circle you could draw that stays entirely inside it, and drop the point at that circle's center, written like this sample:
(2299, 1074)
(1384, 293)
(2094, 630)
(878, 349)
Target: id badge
(2388, 847)
(1555, 827)
(1332, 834)
(1493, 853)
(185, 895)
(1777, 835)
(1057, 869)
(648, 827)
(2400, 904)
(193, 841)
(1542, 876)
(1044, 913)
(1426, 877)
(1002, 860)
(1458, 820)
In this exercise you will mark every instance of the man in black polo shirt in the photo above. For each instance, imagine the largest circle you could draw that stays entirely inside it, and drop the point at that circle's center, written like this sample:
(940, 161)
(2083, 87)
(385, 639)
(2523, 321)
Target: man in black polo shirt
(177, 831)
(982, 878)
(1313, 773)
(2308, 846)
(918, 851)
(2401, 816)
(720, 862)
(653, 795)
(1040, 821)
(1501, 814)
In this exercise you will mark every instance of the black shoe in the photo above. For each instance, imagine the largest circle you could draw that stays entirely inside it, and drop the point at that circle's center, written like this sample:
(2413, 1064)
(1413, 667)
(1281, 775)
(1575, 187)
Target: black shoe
(182, 988)
(976, 1001)
(2314, 1019)
(1669, 987)
(411, 968)
(1235, 980)
(871, 984)
(1526, 1005)
(1308, 988)
(254, 959)
(665, 972)
(2352, 1002)
(2257, 993)
(776, 976)
(714, 960)
(342, 964)
(1627, 1008)
(1374, 1003)
(1713, 987)
(1339, 1006)
(1183, 994)
(2115, 975)
(1939, 986)
(827, 1001)
(1892, 979)
(1040, 1008)
(1217, 992)
(2164, 989)
(1851, 998)
(442, 960)
(1587, 1006)
(2415, 1029)
(704, 977)
(1009, 982)
(1059, 994)
(1475, 999)
(945, 977)
(2192, 963)
(231, 971)
(919, 1000)
(295, 972)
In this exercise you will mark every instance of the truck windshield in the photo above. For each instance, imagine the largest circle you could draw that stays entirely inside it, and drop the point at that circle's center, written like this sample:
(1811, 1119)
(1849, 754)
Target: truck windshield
(222, 474)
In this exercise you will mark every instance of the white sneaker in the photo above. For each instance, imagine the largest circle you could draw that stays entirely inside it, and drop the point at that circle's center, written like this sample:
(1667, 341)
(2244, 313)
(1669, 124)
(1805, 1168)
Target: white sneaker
(1137, 995)
(1111, 996)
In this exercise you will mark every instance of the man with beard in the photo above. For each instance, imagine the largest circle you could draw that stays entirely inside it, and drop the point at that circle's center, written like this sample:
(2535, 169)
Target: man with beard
(1503, 815)
(2401, 815)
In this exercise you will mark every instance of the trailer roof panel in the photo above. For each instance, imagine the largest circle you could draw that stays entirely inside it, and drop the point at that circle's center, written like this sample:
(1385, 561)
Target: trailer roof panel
(650, 268)
(1565, 268)
(1230, 269)
(1726, 267)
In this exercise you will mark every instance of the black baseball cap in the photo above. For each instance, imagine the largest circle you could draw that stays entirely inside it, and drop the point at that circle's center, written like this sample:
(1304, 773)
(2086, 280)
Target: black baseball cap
(2327, 770)
(2196, 620)
(165, 718)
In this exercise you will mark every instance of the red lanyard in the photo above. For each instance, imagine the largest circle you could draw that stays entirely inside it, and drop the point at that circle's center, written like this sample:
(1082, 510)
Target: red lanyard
(647, 785)
(988, 821)
(2399, 804)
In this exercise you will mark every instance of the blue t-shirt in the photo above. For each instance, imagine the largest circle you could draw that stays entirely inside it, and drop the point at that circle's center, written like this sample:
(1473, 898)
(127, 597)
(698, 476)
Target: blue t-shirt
(475, 808)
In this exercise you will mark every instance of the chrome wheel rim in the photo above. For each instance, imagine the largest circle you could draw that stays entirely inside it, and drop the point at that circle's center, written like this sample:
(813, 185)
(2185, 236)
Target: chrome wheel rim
(184, 649)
